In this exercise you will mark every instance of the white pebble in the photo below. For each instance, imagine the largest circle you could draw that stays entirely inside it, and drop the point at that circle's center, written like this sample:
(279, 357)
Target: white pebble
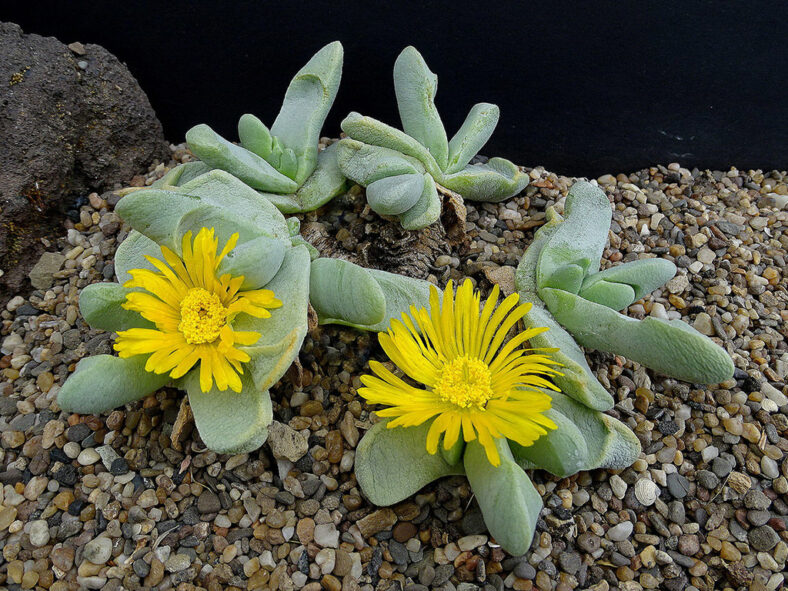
(88, 456)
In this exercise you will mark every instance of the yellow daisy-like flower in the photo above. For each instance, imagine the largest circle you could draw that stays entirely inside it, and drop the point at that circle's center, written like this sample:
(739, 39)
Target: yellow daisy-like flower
(474, 382)
(193, 310)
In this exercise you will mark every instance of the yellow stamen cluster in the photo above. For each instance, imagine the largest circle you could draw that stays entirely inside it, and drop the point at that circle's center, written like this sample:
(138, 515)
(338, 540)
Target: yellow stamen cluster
(202, 316)
(465, 382)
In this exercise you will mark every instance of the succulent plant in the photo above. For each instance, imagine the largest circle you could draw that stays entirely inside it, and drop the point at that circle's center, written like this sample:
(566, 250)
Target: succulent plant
(282, 163)
(559, 279)
(256, 292)
(402, 169)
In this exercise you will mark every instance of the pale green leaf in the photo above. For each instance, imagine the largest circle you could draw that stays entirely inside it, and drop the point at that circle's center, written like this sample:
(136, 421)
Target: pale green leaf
(305, 107)
(325, 183)
(372, 131)
(671, 347)
(427, 209)
(643, 276)
(340, 290)
(474, 133)
(101, 305)
(508, 500)
(575, 248)
(254, 135)
(131, 254)
(282, 333)
(102, 382)
(395, 195)
(255, 171)
(494, 181)
(230, 422)
(365, 163)
(415, 86)
(393, 464)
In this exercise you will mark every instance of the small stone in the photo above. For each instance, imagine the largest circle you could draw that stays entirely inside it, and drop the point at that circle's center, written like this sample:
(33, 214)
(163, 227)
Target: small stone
(98, 550)
(377, 521)
(739, 482)
(646, 492)
(41, 275)
(678, 485)
(620, 532)
(39, 533)
(208, 502)
(570, 562)
(763, 538)
(287, 443)
(326, 535)
(63, 558)
(88, 457)
(589, 542)
(149, 499)
(469, 543)
(178, 562)
(618, 486)
(404, 531)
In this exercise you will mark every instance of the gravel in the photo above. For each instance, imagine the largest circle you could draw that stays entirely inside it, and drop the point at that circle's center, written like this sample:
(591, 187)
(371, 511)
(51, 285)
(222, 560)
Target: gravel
(110, 502)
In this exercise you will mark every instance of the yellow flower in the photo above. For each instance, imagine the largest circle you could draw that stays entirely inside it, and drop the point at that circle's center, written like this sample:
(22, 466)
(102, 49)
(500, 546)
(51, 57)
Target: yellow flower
(193, 310)
(474, 382)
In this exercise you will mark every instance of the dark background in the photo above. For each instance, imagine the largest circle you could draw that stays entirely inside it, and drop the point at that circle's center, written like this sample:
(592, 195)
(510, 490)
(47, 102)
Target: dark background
(585, 88)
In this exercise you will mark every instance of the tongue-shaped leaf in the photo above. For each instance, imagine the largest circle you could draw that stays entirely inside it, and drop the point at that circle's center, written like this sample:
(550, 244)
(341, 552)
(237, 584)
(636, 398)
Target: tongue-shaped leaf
(103, 382)
(230, 422)
(392, 464)
(415, 86)
(508, 500)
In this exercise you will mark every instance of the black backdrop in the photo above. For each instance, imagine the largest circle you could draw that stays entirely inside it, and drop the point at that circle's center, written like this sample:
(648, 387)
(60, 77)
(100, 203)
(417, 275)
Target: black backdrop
(584, 88)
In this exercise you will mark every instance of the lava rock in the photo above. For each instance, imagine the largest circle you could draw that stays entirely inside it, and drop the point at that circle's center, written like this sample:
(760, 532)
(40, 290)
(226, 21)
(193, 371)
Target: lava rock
(67, 130)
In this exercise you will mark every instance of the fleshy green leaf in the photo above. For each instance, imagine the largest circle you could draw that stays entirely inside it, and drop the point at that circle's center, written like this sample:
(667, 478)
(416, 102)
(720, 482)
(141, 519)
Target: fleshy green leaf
(427, 209)
(615, 296)
(415, 86)
(131, 255)
(392, 464)
(610, 443)
(365, 164)
(305, 107)
(101, 306)
(575, 248)
(102, 382)
(282, 333)
(372, 131)
(668, 346)
(157, 213)
(183, 173)
(258, 260)
(255, 171)
(494, 181)
(340, 290)
(453, 455)
(230, 422)
(508, 500)
(474, 133)
(399, 294)
(395, 195)
(642, 277)
(578, 381)
(254, 135)
(325, 183)
(561, 452)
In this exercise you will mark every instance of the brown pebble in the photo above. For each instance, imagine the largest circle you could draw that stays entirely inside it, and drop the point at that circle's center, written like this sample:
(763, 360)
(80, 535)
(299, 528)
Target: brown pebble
(404, 531)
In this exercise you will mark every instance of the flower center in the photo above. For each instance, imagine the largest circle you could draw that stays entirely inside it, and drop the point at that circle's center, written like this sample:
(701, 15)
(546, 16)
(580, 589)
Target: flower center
(202, 316)
(465, 382)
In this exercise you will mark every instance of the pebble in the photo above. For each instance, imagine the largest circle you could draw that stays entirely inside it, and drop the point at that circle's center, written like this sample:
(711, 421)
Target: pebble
(98, 550)
(39, 533)
(620, 532)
